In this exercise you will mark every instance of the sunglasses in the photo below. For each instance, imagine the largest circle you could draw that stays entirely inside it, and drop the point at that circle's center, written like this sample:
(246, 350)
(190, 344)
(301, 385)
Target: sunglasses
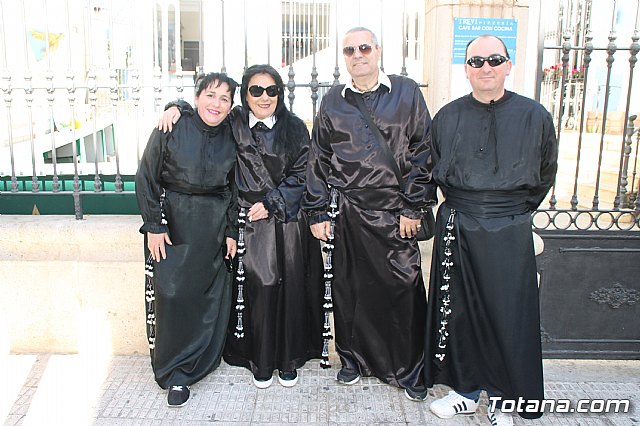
(493, 60)
(364, 48)
(257, 91)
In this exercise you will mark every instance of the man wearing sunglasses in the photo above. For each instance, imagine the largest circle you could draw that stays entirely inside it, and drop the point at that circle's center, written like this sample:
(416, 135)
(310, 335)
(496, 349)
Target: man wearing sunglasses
(378, 292)
(494, 157)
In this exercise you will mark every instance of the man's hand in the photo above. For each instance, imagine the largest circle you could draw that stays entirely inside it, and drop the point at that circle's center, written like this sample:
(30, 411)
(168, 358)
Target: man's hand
(408, 227)
(155, 244)
(321, 230)
(168, 119)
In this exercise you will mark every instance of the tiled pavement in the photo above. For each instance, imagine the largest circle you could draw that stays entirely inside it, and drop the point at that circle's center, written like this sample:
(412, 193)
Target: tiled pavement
(48, 389)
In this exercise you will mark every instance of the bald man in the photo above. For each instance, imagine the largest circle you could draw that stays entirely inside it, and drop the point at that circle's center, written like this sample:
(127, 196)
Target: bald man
(494, 157)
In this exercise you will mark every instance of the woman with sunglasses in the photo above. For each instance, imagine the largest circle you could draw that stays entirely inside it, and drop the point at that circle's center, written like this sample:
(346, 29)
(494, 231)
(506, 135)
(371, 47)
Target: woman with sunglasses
(278, 320)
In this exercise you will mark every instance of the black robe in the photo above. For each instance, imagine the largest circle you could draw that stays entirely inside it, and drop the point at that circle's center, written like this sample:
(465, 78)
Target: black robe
(283, 287)
(378, 291)
(494, 163)
(193, 166)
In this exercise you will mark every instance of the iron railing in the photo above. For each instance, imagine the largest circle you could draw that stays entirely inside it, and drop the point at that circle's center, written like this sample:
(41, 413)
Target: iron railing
(109, 107)
(72, 120)
(597, 177)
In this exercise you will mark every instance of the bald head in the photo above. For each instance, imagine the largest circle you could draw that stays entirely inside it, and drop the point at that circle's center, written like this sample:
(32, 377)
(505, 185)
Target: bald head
(488, 69)
(505, 52)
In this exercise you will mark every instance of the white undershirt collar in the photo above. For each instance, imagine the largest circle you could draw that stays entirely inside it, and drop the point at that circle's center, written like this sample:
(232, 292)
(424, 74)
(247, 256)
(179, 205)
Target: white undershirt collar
(382, 79)
(269, 121)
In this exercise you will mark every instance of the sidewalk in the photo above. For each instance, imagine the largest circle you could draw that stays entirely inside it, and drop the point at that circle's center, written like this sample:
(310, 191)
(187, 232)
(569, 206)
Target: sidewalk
(51, 389)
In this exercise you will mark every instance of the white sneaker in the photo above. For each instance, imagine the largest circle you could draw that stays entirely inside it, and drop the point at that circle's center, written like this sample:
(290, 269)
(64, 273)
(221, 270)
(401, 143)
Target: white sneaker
(453, 404)
(288, 378)
(498, 418)
(262, 384)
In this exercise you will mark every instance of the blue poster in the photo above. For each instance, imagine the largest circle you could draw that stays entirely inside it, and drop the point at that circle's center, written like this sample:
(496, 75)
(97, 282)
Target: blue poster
(466, 29)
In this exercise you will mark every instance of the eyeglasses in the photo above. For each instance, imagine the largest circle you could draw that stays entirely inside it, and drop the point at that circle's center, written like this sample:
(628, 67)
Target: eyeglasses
(493, 60)
(364, 48)
(256, 91)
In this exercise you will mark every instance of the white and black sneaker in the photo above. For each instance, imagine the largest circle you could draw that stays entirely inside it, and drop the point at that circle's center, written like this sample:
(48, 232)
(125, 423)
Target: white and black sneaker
(288, 378)
(262, 383)
(414, 395)
(348, 376)
(453, 404)
(178, 396)
(498, 418)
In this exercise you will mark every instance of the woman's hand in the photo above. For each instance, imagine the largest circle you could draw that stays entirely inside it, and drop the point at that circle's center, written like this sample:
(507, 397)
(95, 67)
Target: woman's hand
(257, 212)
(155, 244)
(231, 248)
(168, 119)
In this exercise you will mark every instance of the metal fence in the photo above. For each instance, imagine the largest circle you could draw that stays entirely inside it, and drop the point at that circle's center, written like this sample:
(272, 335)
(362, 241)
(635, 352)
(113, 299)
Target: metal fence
(591, 90)
(82, 91)
(84, 81)
(588, 271)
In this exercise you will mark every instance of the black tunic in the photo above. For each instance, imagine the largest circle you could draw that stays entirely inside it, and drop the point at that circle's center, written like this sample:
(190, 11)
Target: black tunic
(378, 291)
(193, 165)
(494, 164)
(283, 287)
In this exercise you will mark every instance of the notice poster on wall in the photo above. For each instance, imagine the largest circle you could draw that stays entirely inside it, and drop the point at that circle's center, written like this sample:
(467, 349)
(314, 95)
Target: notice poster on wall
(466, 29)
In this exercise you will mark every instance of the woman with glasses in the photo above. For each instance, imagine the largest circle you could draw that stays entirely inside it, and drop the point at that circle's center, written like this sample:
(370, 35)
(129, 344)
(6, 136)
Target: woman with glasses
(186, 194)
(278, 320)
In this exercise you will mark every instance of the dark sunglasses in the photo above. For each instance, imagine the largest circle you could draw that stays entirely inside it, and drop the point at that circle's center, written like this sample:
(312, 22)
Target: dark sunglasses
(493, 60)
(364, 48)
(257, 91)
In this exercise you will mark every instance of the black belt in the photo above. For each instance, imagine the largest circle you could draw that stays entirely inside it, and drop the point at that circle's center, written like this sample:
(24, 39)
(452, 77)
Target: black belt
(197, 191)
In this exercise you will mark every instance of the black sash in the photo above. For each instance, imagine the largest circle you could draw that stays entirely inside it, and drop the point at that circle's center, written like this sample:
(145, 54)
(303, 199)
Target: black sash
(488, 203)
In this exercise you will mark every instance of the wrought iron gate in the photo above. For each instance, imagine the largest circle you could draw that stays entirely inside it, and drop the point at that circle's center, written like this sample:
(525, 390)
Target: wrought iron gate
(590, 267)
(84, 81)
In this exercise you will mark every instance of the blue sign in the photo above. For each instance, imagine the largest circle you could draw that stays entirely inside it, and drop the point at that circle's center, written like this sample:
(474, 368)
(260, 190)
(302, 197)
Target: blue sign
(466, 29)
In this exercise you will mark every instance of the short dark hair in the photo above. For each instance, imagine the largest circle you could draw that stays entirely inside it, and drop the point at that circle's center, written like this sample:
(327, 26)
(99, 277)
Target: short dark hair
(263, 69)
(466, 50)
(207, 80)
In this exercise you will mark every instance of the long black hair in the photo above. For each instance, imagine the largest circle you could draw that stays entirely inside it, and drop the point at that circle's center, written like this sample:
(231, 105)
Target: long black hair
(291, 132)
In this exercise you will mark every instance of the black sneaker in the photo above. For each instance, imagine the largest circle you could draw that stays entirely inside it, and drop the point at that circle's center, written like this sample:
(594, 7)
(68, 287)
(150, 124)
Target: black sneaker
(348, 376)
(288, 378)
(178, 396)
(415, 395)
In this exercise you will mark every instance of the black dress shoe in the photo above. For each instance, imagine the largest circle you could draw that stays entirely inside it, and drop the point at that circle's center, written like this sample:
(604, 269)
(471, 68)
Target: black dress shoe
(178, 396)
